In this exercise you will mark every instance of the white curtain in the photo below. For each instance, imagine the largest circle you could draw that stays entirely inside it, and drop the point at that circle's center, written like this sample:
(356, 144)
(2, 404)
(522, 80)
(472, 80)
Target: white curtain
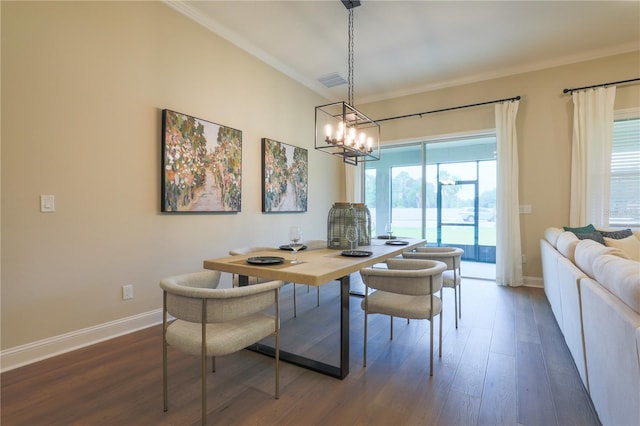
(353, 183)
(508, 248)
(591, 156)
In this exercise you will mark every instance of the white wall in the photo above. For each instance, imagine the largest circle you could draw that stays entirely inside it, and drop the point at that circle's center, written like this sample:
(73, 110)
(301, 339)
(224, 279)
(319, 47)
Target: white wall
(83, 86)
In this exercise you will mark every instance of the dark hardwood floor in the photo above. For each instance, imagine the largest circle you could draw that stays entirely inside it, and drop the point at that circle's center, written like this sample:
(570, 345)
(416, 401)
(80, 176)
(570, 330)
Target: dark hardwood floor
(507, 363)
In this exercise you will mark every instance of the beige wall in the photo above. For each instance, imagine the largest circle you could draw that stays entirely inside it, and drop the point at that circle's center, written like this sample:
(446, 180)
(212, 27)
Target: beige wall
(544, 127)
(83, 86)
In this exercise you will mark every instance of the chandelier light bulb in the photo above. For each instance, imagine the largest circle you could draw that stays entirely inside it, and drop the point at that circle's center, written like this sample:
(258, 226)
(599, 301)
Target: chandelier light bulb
(362, 138)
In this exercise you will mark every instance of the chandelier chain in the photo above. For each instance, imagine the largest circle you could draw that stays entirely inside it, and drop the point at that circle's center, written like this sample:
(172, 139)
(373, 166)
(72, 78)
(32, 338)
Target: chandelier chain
(350, 59)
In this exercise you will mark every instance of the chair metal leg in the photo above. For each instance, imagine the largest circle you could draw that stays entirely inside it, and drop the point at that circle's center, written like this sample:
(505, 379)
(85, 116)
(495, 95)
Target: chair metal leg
(431, 345)
(164, 352)
(318, 296)
(203, 357)
(364, 357)
(204, 389)
(277, 354)
(455, 304)
(460, 299)
(440, 341)
(164, 375)
(295, 308)
(456, 275)
(391, 329)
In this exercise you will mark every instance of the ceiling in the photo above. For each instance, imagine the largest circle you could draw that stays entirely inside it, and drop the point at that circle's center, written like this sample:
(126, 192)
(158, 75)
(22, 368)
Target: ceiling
(406, 47)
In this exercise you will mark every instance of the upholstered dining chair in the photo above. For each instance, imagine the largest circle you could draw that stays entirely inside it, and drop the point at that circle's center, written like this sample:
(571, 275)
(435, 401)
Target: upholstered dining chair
(248, 250)
(451, 256)
(213, 321)
(406, 289)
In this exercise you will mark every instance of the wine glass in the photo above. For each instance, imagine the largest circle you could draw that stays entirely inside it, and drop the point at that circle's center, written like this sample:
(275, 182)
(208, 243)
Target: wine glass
(295, 241)
(388, 229)
(351, 235)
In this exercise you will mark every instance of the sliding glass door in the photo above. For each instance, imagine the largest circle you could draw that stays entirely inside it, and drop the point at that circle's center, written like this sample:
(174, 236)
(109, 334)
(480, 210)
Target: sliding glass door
(466, 213)
(443, 191)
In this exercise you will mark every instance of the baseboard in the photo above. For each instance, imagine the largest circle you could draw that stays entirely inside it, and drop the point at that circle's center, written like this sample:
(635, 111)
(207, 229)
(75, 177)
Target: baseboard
(533, 282)
(36, 351)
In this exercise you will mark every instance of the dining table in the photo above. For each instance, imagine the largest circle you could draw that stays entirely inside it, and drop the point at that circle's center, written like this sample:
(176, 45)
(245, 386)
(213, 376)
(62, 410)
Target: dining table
(314, 268)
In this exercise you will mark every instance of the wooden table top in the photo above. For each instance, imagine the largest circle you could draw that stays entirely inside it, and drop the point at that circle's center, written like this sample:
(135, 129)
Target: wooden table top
(314, 267)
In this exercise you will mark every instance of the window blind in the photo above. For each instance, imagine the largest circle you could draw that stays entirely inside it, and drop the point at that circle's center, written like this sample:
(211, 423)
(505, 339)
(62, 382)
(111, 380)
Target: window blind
(625, 174)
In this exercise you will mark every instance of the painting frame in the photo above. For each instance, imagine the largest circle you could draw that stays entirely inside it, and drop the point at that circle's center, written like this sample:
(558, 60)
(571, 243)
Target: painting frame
(285, 177)
(201, 169)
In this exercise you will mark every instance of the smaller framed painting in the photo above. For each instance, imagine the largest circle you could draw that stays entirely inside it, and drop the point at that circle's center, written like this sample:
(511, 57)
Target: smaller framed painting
(201, 165)
(285, 177)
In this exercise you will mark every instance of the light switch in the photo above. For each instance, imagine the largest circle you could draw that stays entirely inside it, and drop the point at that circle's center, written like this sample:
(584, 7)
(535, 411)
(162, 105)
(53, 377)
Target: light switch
(525, 209)
(47, 204)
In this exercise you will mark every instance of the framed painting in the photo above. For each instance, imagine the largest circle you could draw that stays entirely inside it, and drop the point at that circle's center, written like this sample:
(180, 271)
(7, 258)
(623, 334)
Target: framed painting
(285, 177)
(201, 165)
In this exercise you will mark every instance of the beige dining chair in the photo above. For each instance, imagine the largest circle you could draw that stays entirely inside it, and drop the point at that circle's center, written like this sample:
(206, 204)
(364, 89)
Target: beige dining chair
(235, 279)
(213, 321)
(406, 289)
(451, 278)
(257, 280)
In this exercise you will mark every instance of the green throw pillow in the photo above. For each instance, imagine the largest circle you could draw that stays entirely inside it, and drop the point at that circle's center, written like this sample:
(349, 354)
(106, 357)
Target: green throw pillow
(582, 230)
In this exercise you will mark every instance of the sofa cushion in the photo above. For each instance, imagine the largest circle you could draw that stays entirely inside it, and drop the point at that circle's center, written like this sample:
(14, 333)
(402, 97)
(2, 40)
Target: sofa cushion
(595, 236)
(629, 245)
(588, 250)
(566, 245)
(580, 230)
(621, 277)
(551, 234)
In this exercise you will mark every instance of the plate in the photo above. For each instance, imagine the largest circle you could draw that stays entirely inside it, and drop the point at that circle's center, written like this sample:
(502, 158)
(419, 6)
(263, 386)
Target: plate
(356, 253)
(397, 243)
(386, 237)
(265, 260)
(288, 247)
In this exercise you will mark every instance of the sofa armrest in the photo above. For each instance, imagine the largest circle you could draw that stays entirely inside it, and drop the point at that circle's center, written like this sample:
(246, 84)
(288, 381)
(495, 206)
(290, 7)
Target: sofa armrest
(611, 332)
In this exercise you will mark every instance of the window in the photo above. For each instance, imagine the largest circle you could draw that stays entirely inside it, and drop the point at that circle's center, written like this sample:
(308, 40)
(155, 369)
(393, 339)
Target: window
(624, 205)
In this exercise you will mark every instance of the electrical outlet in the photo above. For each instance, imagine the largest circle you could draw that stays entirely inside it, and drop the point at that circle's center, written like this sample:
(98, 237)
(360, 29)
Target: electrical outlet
(127, 292)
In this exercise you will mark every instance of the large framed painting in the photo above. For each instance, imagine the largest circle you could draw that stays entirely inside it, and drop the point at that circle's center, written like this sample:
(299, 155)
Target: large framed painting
(201, 165)
(285, 177)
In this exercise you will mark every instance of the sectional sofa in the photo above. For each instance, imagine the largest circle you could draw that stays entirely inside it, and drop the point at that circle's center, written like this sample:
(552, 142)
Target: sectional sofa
(592, 283)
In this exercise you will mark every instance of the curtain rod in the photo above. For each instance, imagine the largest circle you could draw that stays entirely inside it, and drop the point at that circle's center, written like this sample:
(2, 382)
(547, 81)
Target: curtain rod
(600, 85)
(516, 98)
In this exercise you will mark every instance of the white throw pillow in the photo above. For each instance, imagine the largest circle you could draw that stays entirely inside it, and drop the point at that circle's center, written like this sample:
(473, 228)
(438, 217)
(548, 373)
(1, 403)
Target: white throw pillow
(630, 246)
(566, 244)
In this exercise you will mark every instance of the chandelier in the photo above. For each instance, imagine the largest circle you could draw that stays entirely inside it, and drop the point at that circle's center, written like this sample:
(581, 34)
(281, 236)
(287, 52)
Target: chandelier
(341, 129)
